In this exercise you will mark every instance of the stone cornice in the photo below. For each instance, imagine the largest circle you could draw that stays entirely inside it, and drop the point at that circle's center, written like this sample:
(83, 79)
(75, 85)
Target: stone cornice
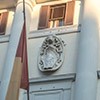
(46, 32)
(4, 38)
(54, 78)
(57, 31)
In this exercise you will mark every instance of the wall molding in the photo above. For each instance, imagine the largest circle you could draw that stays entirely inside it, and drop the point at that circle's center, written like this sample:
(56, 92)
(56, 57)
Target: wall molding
(4, 38)
(53, 78)
(55, 31)
(45, 32)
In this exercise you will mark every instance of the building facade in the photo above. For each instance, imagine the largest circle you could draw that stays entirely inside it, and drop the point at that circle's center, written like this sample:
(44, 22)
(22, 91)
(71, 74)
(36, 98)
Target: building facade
(63, 48)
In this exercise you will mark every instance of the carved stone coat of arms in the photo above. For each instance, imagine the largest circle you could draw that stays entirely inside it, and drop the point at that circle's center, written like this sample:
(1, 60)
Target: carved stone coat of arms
(51, 55)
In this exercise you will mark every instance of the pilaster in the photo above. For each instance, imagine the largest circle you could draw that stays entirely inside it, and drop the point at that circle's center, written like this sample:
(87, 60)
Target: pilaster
(86, 71)
(13, 43)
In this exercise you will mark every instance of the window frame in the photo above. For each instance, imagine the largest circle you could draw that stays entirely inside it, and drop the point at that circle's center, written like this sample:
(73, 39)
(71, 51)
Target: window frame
(53, 7)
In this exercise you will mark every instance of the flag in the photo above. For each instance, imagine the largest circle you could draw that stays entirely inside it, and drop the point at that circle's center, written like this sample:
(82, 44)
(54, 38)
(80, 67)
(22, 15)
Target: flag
(19, 76)
(24, 78)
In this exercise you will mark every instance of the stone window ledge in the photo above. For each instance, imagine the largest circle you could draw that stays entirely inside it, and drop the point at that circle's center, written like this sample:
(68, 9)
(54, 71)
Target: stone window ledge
(55, 31)
(45, 32)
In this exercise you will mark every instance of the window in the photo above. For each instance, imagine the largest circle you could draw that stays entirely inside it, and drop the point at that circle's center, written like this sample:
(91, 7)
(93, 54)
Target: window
(56, 15)
(54, 12)
(3, 22)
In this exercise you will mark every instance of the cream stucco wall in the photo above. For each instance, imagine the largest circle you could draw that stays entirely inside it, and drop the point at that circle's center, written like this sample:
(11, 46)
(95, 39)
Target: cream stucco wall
(35, 41)
(68, 67)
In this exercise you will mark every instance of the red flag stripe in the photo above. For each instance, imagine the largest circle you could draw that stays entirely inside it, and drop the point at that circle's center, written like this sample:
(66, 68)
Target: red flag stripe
(22, 52)
(24, 78)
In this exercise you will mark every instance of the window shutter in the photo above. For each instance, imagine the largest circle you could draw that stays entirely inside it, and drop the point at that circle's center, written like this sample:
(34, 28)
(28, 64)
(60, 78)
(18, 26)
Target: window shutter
(69, 13)
(44, 17)
(3, 22)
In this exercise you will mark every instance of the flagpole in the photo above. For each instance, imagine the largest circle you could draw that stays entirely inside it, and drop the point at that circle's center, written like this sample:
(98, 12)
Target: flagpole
(24, 10)
(28, 98)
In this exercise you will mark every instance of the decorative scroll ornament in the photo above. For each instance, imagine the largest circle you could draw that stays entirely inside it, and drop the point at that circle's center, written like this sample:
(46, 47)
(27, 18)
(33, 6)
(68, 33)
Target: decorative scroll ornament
(51, 54)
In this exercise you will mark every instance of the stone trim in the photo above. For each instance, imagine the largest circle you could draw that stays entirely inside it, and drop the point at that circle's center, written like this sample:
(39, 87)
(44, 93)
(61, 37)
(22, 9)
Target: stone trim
(53, 78)
(55, 31)
(44, 33)
(4, 38)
